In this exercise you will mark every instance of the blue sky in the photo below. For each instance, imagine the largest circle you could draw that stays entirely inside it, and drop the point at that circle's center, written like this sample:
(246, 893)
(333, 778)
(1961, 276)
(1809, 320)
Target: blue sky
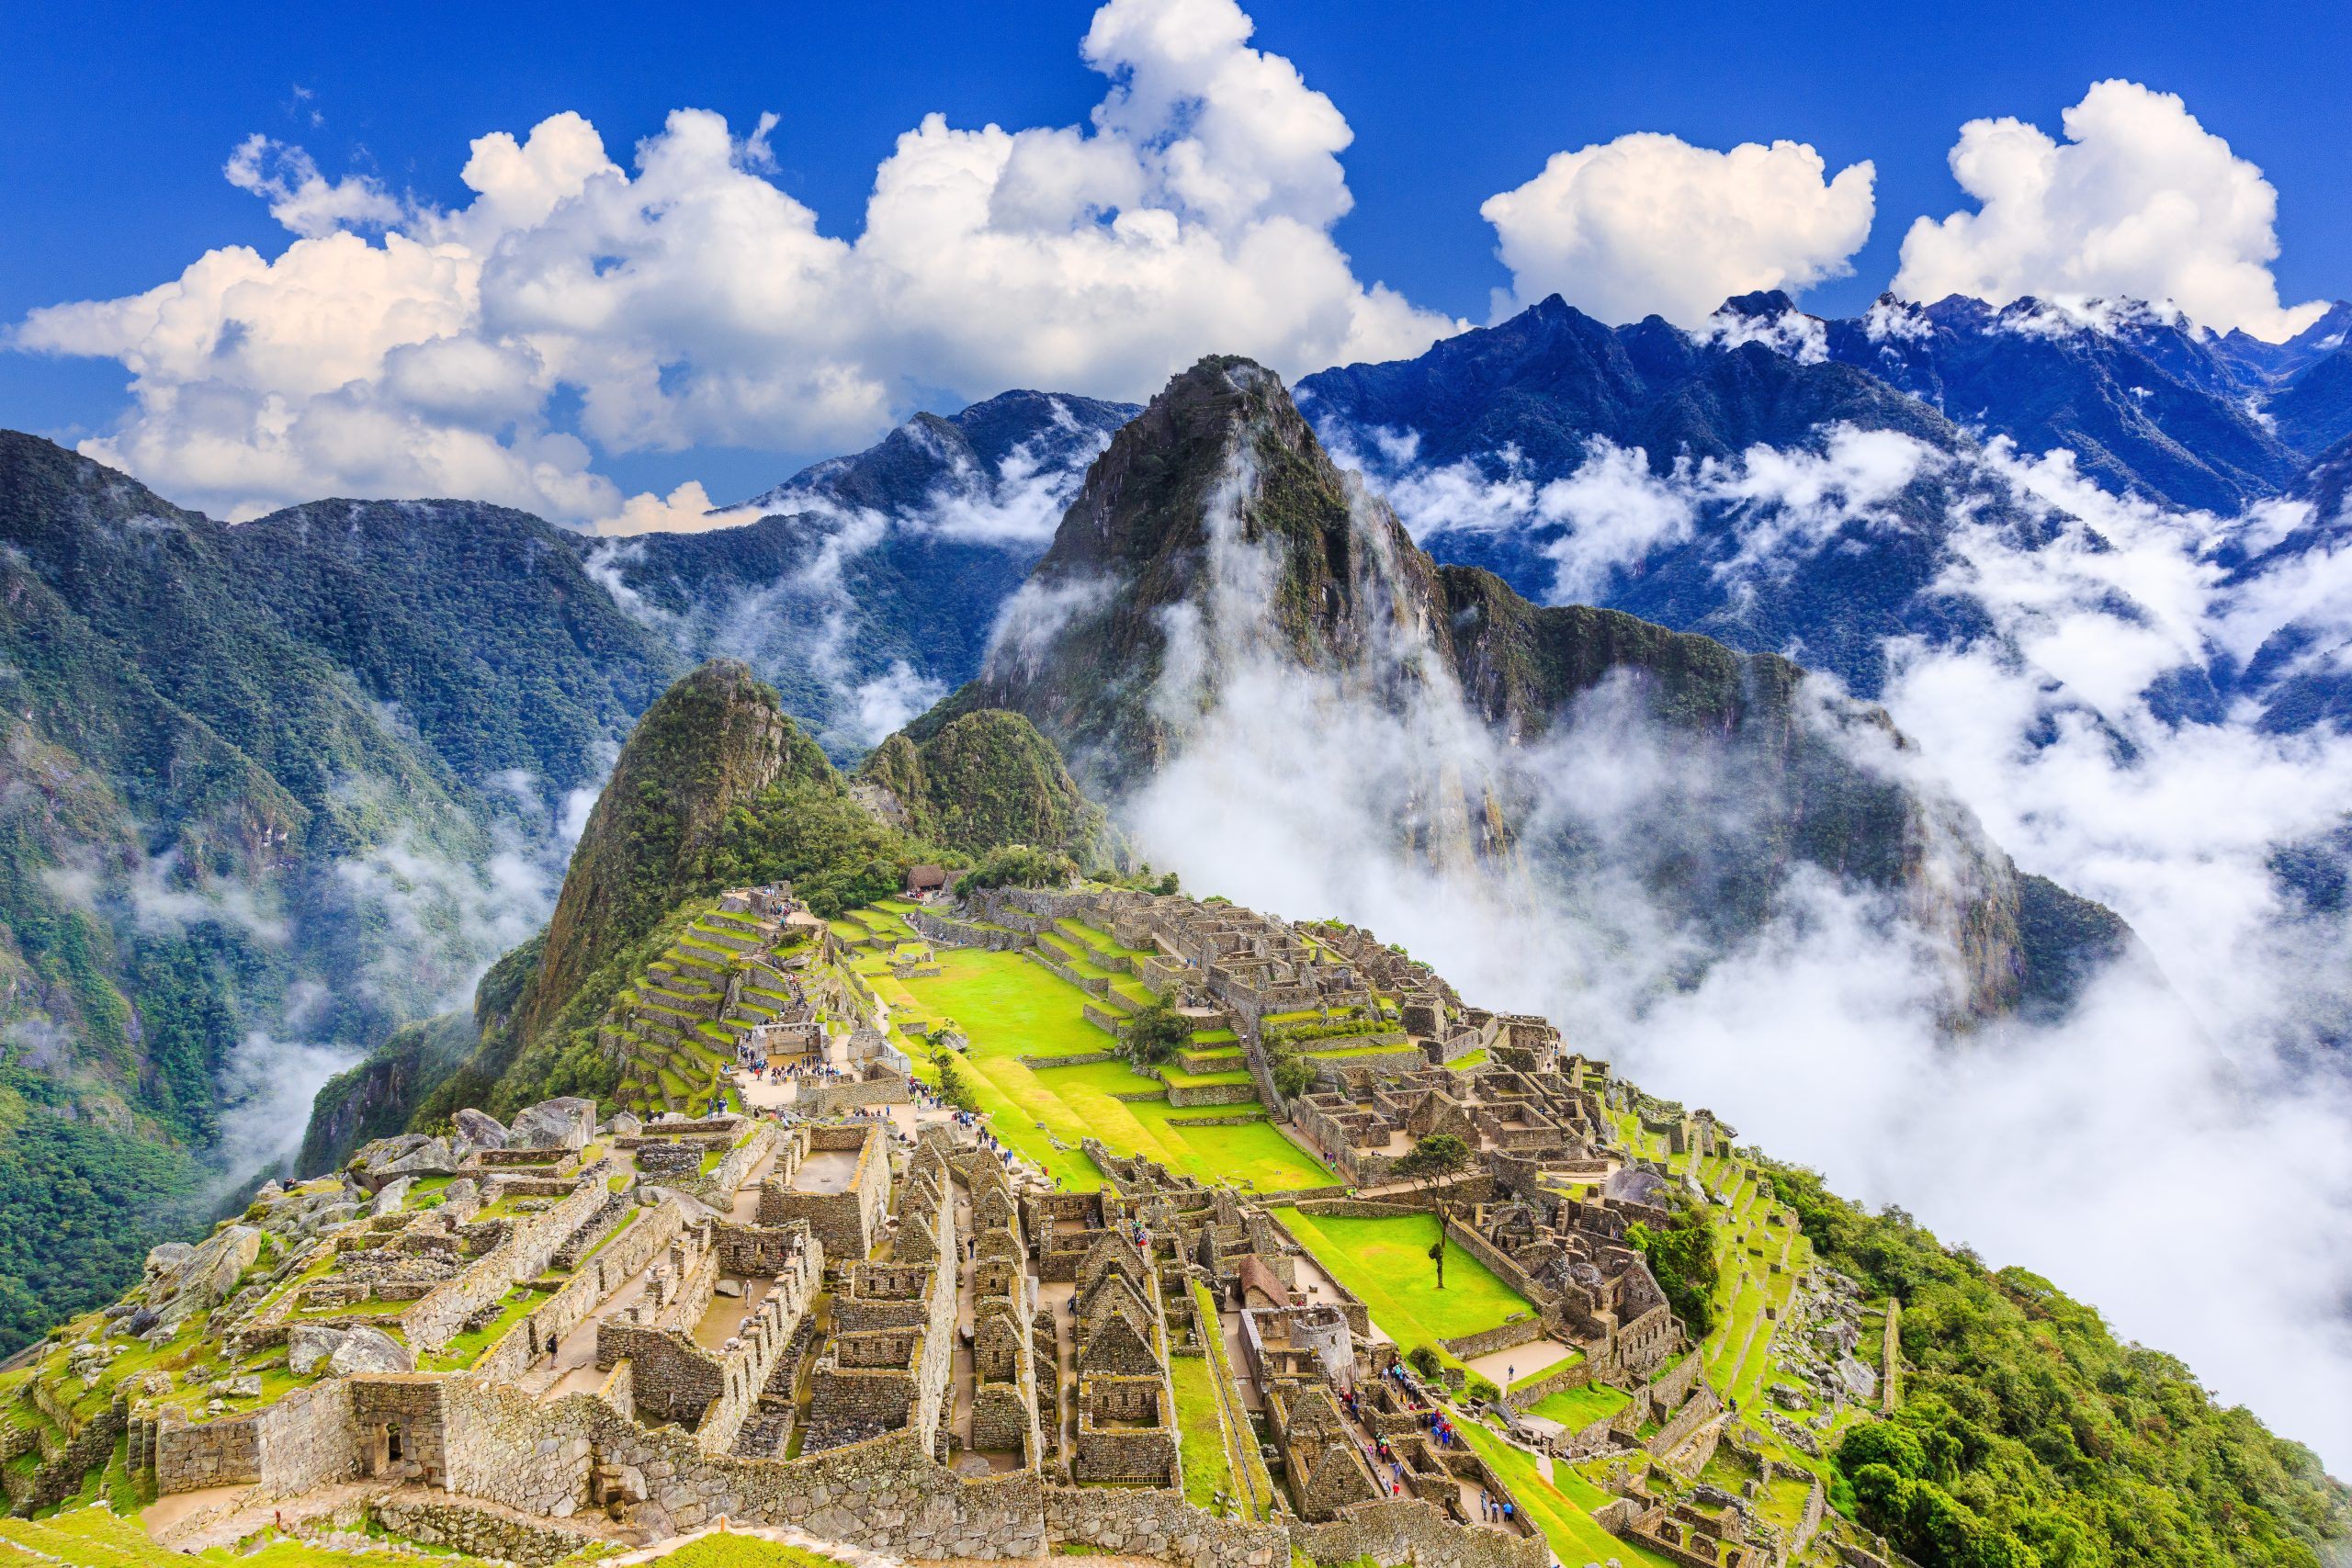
(119, 121)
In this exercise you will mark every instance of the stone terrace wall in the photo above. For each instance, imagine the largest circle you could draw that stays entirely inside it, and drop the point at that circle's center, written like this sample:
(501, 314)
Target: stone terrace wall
(1212, 1094)
(438, 1314)
(597, 1279)
(1408, 1531)
(1671, 1389)
(1509, 1337)
(718, 1187)
(1160, 1524)
(1494, 1258)
(947, 933)
(480, 1532)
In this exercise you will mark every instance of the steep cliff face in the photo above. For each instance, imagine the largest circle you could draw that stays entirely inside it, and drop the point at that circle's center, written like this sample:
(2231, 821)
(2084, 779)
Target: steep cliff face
(980, 780)
(1214, 531)
(1218, 560)
(713, 741)
(252, 774)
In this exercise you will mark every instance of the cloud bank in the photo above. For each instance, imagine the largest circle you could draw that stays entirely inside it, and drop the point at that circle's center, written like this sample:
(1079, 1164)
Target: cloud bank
(688, 298)
(1650, 224)
(2140, 201)
(1821, 1035)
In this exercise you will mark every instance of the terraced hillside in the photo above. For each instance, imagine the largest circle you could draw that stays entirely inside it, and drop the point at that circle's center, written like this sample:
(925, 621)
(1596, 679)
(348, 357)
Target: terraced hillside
(676, 1028)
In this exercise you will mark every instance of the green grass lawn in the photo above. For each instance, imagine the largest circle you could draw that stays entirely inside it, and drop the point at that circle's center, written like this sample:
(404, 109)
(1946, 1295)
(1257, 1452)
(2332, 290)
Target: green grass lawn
(1208, 1467)
(1385, 1263)
(1177, 1077)
(1559, 1511)
(1009, 1007)
(1576, 1408)
(99, 1537)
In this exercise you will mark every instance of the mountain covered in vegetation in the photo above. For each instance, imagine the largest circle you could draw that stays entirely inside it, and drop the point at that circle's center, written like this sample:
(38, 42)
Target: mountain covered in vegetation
(262, 785)
(870, 580)
(1217, 551)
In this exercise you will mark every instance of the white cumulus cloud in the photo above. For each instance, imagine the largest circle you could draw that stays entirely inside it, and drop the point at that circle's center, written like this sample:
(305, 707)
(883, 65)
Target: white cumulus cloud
(399, 350)
(2139, 200)
(1650, 224)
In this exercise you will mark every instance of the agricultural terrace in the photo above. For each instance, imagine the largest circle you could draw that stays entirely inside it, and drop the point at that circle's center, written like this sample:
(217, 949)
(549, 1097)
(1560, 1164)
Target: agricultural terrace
(1009, 1006)
(1385, 1263)
(1561, 1505)
(1759, 1261)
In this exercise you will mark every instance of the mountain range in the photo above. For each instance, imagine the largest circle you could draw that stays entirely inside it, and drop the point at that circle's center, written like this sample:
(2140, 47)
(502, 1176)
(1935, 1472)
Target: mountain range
(278, 792)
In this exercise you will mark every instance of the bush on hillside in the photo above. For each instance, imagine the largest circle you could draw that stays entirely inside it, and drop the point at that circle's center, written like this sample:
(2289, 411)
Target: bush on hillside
(1018, 866)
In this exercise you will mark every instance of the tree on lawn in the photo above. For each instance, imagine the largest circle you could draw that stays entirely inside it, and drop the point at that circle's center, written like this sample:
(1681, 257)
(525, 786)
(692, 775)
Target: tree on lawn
(1434, 1159)
(1154, 1034)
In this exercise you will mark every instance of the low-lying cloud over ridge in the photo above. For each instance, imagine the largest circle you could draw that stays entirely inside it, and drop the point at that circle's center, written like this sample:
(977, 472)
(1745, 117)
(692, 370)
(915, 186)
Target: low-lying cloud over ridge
(2171, 1151)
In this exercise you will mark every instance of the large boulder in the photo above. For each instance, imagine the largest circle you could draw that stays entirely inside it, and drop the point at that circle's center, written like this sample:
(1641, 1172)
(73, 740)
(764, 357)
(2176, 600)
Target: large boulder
(310, 1344)
(164, 1262)
(625, 1125)
(562, 1124)
(479, 1128)
(431, 1158)
(211, 1270)
(366, 1349)
(391, 1195)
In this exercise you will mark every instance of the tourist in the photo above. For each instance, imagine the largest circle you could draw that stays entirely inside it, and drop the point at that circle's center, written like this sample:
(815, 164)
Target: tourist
(1486, 1505)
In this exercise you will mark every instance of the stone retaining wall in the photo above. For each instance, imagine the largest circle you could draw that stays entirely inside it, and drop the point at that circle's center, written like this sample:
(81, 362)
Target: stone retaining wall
(1157, 1523)
(1675, 1386)
(1505, 1266)
(479, 1531)
(948, 931)
(1411, 1531)
(1212, 1093)
(1509, 1337)
(1577, 1376)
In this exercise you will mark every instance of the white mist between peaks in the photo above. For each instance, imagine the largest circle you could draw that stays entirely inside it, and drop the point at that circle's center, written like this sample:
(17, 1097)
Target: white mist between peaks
(807, 620)
(2171, 1152)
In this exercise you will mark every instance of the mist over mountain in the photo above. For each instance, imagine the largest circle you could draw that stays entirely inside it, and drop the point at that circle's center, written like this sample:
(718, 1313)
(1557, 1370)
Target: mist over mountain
(867, 586)
(1719, 868)
(1533, 695)
(1218, 562)
(273, 789)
